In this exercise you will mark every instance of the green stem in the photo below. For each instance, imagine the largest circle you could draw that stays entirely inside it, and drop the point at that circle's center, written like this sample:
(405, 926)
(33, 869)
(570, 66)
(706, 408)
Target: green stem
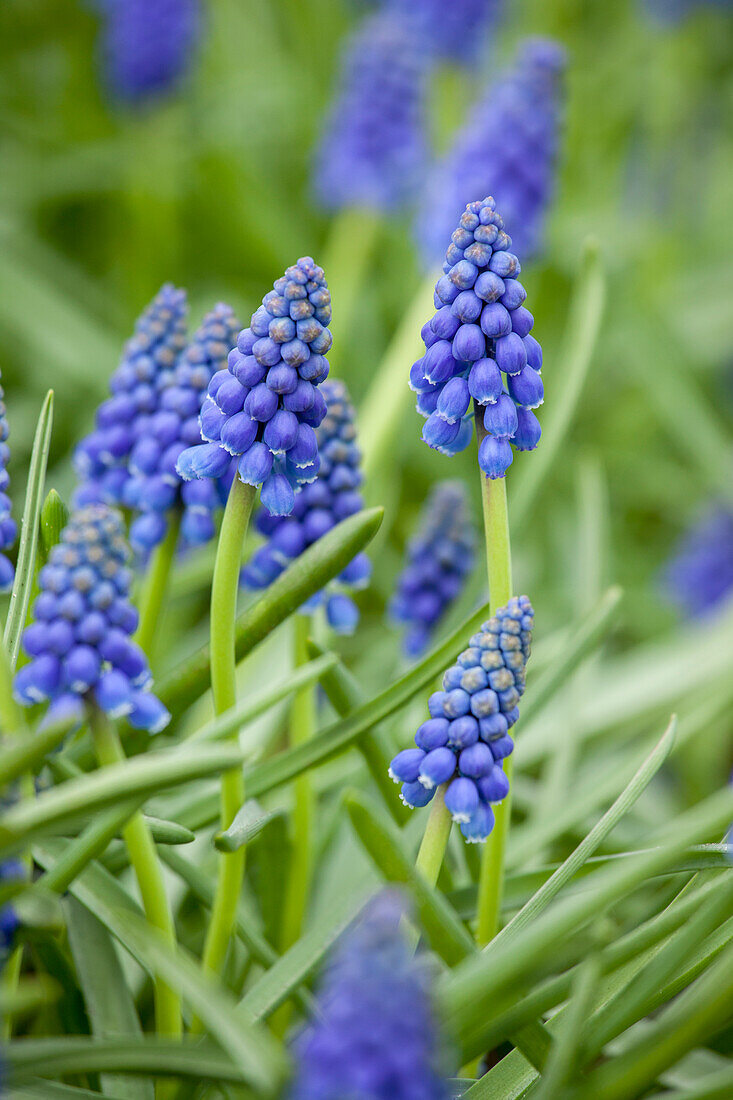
(499, 566)
(156, 581)
(435, 839)
(148, 872)
(224, 589)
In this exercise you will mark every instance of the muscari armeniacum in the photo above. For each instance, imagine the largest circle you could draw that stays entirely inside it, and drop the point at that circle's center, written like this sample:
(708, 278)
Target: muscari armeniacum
(439, 559)
(375, 1036)
(466, 738)
(454, 30)
(264, 409)
(479, 348)
(147, 45)
(8, 527)
(80, 641)
(319, 506)
(508, 148)
(699, 575)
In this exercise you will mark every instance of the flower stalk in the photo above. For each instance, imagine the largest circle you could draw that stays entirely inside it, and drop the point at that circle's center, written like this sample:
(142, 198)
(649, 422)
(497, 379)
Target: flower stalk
(155, 585)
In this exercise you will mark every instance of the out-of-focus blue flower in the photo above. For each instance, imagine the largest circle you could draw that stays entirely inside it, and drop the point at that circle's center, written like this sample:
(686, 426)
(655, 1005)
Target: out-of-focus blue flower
(453, 29)
(147, 367)
(699, 576)
(10, 869)
(319, 506)
(439, 559)
(478, 348)
(375, 1037)
(372, 150)
(507, 148)
(147, 45)
(673, 11)
(265, 408)
(154, 487)
(79, 642)
(8, 527)
(466, 738)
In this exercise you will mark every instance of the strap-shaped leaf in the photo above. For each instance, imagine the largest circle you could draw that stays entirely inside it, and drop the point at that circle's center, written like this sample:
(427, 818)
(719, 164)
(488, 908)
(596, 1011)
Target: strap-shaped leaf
(250, 821)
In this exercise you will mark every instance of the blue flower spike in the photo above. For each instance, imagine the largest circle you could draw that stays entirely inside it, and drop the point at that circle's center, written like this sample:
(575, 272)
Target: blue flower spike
(101, 460)
(439, 560)
(375, 1035)
(699, 576)
(319, 506)
(147, 45)
(155, 488)
(454, 30)
(264, 409)
(373, 147)
(479, 349)
(508, 148)
(80, 641)
(8, 526)
(466, 738)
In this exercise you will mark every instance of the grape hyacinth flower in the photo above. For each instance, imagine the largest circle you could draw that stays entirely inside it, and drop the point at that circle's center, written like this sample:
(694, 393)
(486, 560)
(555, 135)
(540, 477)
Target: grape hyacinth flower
(439, 559)
(466, 738)
(10, 870)
(319, 506)
(375, 1037)
(452, 30)
(154, 487)
(147, 45)
(373, 146)
(265, 408)
(147, 367)
(508, 148)
(699, 577)
(478, 347)
(8, 527)
(79, 642)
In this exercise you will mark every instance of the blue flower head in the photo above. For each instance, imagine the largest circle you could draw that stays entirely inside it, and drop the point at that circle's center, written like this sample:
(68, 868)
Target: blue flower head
(8, 528)
(439, 559)
(372, 150)
(147, 45)
(264, 409)
(699, 576)
(148, 363)
(375, 1037)
(466, 738)
(319, 506)
(154, 487)
(479, 348)
(453, 29)
(79, 642)
(507, 148)
(10, 869)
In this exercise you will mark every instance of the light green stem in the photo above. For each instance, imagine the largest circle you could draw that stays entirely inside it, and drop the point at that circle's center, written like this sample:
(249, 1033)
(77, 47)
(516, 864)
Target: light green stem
(156, 581)
(499, 565)
(148, 872)
(346, 260)
(435, 839)
(223, 685)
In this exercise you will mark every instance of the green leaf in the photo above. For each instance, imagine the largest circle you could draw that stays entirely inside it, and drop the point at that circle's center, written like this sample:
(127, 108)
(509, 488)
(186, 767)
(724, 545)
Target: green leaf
(447, 935)
(54, 517)
(56, 808)
(28, 754)
(107, 997)
(320, 563)
(168, 832)
(250, 821)
(28, 996)
(576, 355)
(23, 583)
(565, 1051)
(38, 1089)
(87, 846)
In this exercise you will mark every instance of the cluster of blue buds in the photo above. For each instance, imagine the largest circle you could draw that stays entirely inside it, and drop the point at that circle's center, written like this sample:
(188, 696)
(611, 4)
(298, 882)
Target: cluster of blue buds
(154, 487)
(479, 347)
(375, 1036)
(467, 735)
(507, 148)
(439, 559)
(265, 408)
(319, 506)
(8, 528)
(79, 642)
(373, 146)
(147, 367)
(699, 577)
(147, 45)
(10, 870)
(452, 30)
